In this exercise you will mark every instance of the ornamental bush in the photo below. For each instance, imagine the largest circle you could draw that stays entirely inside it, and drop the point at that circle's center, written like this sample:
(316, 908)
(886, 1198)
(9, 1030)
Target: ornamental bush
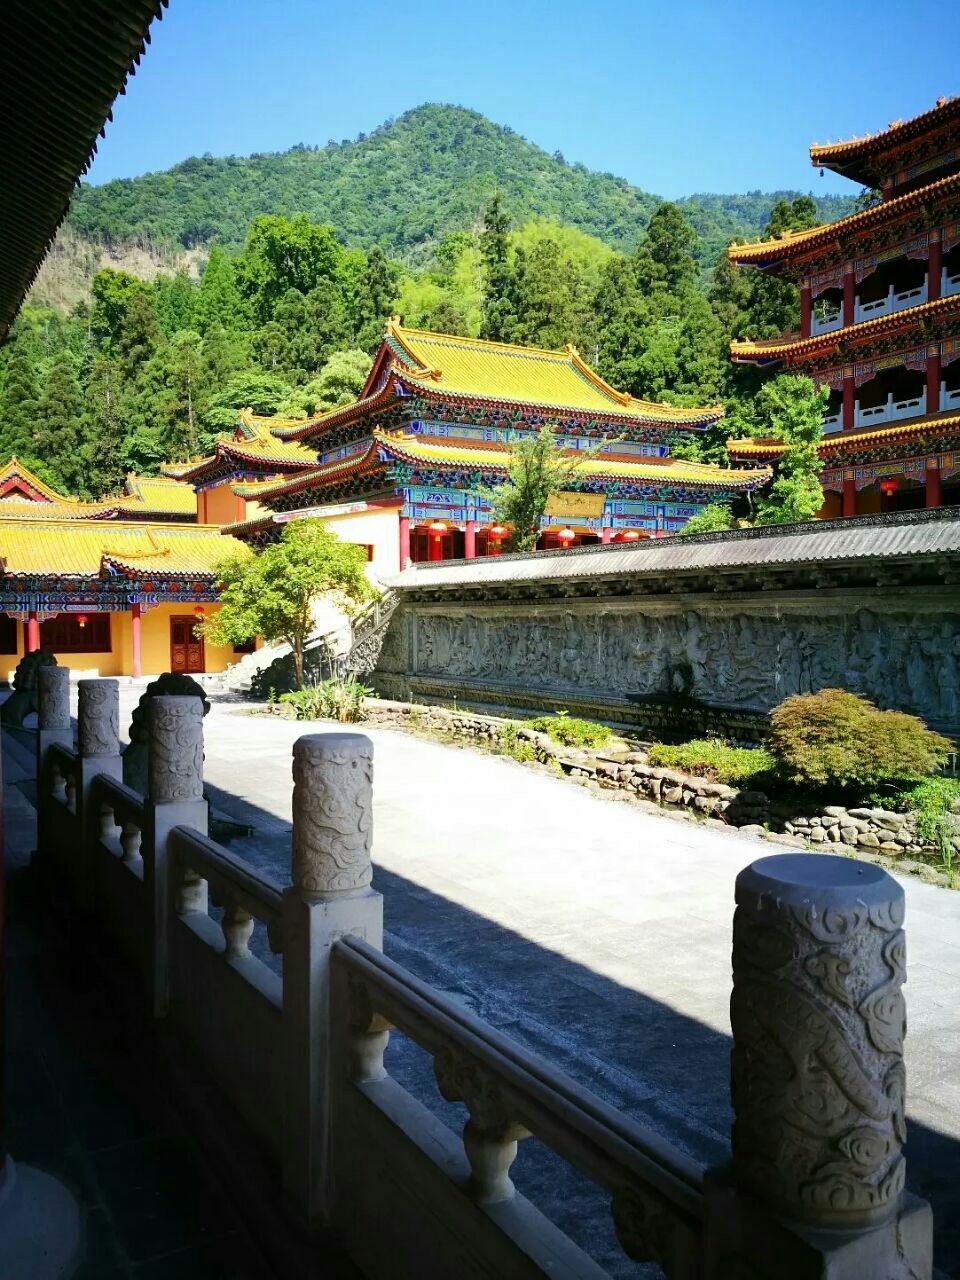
(329, 700)
(714, 759)
(837, 738)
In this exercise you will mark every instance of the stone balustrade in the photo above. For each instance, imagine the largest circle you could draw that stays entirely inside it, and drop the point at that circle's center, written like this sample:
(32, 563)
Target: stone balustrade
(815, 1184)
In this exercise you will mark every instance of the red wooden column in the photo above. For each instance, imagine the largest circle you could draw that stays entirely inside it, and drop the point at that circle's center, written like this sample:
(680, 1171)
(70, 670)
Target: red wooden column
(806, 310)
(849, 402)
(933, 494)
(470, 540)
(135, 666)
(849, 299)
(934, 267)
(404, 541)
(849, 494)
(933, 378)
(33, 631)
(606, 534)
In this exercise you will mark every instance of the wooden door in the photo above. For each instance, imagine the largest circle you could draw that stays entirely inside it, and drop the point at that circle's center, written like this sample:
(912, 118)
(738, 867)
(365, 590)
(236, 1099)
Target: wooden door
(186, 648)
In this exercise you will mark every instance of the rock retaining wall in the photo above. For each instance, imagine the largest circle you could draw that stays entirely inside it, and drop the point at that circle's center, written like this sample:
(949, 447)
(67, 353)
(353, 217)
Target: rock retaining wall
(872, 834)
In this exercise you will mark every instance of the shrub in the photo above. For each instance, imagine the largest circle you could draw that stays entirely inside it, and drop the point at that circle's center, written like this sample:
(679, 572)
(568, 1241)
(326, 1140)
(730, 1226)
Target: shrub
(933, 801)
(329, 700)
(571, 732)
(713, 758)
(837, 738)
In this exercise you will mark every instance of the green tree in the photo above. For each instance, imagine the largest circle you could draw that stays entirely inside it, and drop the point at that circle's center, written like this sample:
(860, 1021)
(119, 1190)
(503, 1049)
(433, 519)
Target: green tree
(536, 469)
(281, 254)
(59, 428)
(273, 593)
(174, 302)
(340, 381)
(715, 518)
(790, 408)
(102, 451)
(219, 303)
(20, 397)
(498, 312)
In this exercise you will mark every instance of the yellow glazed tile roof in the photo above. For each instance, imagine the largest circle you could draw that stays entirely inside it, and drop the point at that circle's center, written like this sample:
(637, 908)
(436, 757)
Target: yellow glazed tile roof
(836, 442)
(149, 495)
(785, 245)
(793, 344)
(896, 130)
(495, 457)
(522, 375)
(255, 441)
(156, 493)
(14, 471)
(70, 549)
(418, 449)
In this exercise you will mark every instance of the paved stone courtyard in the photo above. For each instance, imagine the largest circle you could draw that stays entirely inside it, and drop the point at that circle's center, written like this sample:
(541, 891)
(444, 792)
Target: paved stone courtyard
(595, 932)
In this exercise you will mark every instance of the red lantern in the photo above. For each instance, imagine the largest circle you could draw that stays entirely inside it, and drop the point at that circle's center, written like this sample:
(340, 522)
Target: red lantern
(81, 620)
(497, 530)
(199, 611)
(890, 485)
(566, 535)
(630, 535)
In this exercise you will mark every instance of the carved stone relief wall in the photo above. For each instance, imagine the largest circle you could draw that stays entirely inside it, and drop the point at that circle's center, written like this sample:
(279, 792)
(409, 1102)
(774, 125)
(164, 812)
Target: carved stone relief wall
(748, 654)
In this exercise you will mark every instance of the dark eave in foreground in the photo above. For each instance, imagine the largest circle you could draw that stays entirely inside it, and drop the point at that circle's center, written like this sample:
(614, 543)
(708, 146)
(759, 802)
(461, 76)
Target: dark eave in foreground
(62, 64)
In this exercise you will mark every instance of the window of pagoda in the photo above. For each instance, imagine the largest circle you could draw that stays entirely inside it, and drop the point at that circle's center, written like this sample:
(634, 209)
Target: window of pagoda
(891, 395)
(950, 272)
(833, 413)
(950, 387)
(891, 286)
(827, 311)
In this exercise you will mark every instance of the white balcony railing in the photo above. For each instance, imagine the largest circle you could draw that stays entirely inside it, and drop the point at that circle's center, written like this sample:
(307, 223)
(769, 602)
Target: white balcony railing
(824, 323)
(833, 422)
(949, 284)
(891, 411)
(949, 397)
(893, 300)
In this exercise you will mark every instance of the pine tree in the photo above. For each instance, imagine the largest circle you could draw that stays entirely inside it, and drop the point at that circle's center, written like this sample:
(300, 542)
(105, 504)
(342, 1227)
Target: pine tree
(102, 453)
(59, 427)
(498, 315)
(19, 400)
(219, 304)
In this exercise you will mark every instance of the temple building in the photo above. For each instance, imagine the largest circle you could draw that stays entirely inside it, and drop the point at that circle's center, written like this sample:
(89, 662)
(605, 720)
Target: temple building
(879, 320)
(406, 470)
(24, 496)
(112, 587)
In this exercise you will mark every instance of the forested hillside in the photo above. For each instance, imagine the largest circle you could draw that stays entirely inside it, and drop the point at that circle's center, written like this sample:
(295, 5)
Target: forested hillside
(151, 369)
(172, 300)
(403, 187)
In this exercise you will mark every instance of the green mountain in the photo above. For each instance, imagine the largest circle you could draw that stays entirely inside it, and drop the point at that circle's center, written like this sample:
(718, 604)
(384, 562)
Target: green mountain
(401, 187)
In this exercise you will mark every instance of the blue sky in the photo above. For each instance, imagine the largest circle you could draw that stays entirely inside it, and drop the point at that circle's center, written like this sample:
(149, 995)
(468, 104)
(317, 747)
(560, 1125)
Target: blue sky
(676, 97)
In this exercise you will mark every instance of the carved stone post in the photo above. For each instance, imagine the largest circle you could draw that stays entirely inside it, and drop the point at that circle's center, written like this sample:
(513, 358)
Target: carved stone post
(53, 726)
(174, 799)
(817, 1075)
(330, 896)
(98, 741)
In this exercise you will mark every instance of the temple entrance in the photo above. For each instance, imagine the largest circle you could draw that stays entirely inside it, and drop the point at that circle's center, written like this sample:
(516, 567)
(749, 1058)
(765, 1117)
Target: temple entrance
(186, 647)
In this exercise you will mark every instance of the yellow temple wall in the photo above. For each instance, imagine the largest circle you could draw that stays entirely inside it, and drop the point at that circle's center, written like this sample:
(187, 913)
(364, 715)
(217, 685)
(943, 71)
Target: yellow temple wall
(154, 647)
(378, 528)
(219, 505)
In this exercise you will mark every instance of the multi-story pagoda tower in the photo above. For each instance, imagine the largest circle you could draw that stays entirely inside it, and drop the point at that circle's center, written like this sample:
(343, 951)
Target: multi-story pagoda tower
(879, 320)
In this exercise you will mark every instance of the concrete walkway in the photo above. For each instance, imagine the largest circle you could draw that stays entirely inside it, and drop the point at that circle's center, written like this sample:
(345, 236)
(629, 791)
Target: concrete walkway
(594, 932)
